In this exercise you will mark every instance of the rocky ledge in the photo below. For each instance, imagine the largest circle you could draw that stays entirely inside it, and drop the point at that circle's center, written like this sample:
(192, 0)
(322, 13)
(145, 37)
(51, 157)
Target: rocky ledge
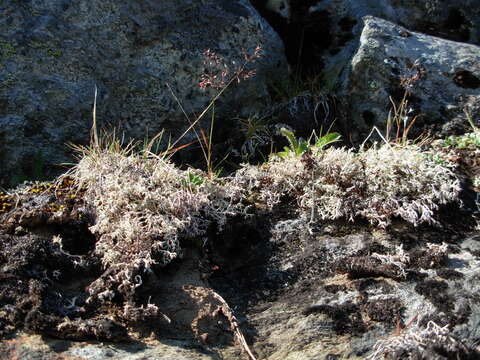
(257, 276)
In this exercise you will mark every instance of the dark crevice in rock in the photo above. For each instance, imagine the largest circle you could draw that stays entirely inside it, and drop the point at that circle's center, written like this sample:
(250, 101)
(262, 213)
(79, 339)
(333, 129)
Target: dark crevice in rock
(306, 35)
(465, 79)
(455, 27)
(436, 292)
(346, 318)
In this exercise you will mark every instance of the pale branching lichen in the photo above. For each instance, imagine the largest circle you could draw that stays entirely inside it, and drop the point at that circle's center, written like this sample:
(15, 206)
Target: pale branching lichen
(143, 206)
(376, 184)
(416, 342)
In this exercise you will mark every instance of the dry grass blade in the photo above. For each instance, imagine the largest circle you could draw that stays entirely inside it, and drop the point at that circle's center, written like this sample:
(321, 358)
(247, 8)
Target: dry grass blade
(227, 311)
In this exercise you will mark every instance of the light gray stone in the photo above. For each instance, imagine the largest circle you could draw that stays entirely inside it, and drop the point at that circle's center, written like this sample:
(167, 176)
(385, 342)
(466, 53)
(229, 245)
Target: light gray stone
(448, 79)
(454, 20)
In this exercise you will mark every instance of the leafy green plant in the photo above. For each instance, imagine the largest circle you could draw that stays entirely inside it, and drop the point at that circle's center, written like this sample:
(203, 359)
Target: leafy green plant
(194, 180)
(298, 146)
(327, 139)
(466, 141)
(257, 132)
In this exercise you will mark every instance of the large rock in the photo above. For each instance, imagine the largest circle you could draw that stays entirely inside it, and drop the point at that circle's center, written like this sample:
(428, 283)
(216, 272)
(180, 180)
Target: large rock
(319, 34)
(53, 54)
(454, 20)
(441, 76)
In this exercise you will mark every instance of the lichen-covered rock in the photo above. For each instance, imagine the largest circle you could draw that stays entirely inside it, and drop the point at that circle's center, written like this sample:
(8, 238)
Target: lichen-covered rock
(54, 53)
(329, 29)
(457, 20)
(442, 79)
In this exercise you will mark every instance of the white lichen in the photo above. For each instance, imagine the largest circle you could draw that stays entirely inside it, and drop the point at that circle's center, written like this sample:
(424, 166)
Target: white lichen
(377, 184)
(416, 342)
(143, 205)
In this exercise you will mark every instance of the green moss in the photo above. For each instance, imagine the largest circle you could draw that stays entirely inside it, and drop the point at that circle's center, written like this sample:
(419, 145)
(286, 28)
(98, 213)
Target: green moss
(7, 50)
(36, 44)
(54, 52)
(466, 141)
(7, 82)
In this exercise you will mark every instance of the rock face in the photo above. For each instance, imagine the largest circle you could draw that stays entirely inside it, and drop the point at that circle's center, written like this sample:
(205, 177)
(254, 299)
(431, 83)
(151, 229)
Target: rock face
(54, 53)
(306, 275)
(441, 78)
(333, 40)
(457, 20)
(315, 31)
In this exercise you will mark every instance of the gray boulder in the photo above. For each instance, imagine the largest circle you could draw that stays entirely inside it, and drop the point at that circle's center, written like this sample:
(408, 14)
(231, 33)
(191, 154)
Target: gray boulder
(453, 20)
(315, 32)
(442, 78)
(53, 54)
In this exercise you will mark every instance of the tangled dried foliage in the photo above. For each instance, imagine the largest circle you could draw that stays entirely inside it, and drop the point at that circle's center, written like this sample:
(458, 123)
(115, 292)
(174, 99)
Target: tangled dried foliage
(143, 205)
(415, 342)
(376, 184)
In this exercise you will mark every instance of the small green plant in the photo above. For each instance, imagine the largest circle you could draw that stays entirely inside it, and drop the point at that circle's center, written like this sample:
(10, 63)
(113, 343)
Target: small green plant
(295, 146)
(194, 180)
(327, 139)
(298, 146)
(466, 141)
(257, 132)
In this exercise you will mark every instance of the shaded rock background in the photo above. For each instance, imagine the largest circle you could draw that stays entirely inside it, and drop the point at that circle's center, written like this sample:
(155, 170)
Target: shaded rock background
(442, 79)
(327, 40)
(54, 53)
(315, 31)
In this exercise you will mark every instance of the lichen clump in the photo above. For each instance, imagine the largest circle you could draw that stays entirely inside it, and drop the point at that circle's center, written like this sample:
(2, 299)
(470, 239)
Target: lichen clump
(377, 184)
(417, 342)
(143, 206)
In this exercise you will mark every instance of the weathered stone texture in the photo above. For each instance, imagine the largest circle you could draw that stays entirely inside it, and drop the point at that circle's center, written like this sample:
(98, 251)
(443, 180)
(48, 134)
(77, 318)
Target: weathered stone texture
(444, 78)
(53, 54)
